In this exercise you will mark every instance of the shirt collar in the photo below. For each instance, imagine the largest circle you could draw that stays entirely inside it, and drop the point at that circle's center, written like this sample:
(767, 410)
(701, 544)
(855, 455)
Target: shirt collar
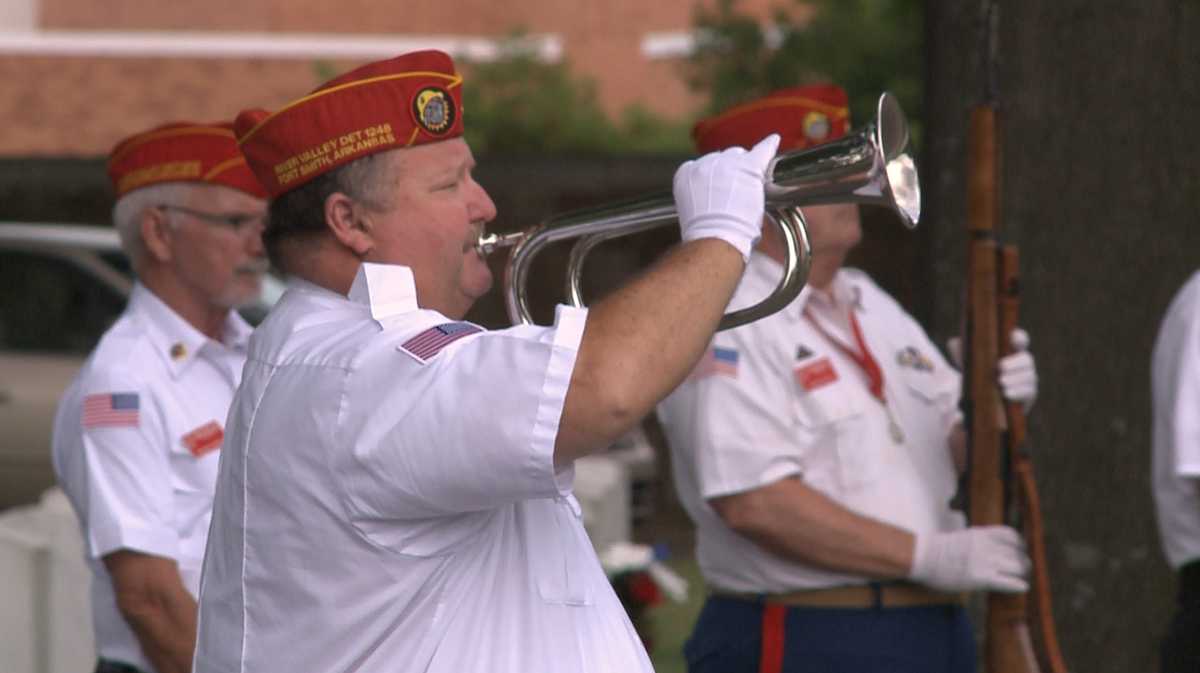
(767, 271)
(175, 339)
(841, 293)
(388, 289)
(842, 290)
(237, 331)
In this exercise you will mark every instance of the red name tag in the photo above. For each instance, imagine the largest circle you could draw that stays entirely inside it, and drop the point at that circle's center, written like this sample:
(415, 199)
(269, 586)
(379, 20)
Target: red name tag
(206, 438)
(816, 374)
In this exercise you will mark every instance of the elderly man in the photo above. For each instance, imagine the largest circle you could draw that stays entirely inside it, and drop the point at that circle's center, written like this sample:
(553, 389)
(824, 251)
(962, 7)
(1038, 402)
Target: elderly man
(137, 433)
(815, 452)
(395, 491)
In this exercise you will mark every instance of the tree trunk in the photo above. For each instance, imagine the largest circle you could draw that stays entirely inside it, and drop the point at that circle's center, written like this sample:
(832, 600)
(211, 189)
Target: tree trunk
(1099, 103)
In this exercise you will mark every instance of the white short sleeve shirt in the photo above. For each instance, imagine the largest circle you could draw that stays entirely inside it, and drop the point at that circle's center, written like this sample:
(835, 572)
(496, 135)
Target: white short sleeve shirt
(1175, 386)
(388, 501)
(782, 397)
(136, 444)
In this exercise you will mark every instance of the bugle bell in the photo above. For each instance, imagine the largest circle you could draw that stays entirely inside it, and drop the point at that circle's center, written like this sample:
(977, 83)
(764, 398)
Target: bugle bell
(868, 166)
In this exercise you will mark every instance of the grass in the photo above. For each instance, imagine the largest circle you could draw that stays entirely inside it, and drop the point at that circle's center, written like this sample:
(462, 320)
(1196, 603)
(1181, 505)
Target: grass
(671, 622)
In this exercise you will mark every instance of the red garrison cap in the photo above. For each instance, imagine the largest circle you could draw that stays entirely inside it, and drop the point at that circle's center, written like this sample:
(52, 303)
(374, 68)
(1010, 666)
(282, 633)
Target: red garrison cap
(803, 116)
(181, 152)
(408, 100)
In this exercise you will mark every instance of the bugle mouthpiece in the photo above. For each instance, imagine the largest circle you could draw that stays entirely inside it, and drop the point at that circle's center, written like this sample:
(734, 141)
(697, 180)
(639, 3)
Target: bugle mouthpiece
(489, 243)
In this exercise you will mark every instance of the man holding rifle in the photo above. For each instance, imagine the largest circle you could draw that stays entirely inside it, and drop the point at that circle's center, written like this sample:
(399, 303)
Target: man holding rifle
(395, 487)
(817, 451)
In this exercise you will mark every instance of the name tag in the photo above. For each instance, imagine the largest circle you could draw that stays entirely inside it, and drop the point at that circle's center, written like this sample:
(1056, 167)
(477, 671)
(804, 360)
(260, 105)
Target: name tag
(204, 439)
(816, 374)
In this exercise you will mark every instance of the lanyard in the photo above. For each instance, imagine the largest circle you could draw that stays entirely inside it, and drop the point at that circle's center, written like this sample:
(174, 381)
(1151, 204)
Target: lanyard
(862, 357)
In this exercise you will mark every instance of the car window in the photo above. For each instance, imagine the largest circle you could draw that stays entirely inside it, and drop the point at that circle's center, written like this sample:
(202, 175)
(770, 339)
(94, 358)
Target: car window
(47, 304)
(117, 260)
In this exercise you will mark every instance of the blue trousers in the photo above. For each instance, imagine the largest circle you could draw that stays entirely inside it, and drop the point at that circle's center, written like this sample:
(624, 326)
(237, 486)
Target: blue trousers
(1180, 651)
(110, 666)
(729, 638)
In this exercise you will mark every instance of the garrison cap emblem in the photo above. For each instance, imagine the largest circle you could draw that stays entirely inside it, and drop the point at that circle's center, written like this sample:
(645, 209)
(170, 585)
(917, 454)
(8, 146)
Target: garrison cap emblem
(816, 126)
(433, 110)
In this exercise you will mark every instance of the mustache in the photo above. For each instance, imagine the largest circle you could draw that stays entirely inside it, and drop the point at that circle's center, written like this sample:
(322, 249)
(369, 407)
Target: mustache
(258, 267)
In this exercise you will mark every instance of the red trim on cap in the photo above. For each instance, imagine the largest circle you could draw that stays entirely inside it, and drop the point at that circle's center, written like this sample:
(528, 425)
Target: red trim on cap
(224, 166)
(182, 151)
(793, 113)
(370, 110)
(137, 141)
(835, 111)
(455, 80)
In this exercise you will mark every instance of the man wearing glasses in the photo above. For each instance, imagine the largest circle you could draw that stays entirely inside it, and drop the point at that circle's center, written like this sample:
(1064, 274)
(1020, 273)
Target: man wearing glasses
(137, 433)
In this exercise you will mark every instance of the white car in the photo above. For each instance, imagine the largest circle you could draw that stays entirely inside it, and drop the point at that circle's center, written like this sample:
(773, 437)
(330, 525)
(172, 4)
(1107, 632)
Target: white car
(61, 287)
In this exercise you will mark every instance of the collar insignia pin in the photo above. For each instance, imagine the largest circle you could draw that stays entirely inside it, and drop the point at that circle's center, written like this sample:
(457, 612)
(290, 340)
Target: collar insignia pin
(178, 351)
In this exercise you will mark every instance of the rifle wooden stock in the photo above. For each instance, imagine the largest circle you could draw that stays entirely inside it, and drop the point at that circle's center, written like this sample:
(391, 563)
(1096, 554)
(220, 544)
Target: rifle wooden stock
(998, 468)
(985, 493)
(1025, 509)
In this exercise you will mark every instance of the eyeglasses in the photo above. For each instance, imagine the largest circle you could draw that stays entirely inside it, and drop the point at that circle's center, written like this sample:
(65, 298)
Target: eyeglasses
(239, 222)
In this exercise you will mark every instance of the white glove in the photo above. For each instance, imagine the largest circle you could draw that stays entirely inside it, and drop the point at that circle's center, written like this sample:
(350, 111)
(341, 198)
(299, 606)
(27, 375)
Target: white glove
(954, 350)
(720, 195)
(1017, 372)
(990, 558)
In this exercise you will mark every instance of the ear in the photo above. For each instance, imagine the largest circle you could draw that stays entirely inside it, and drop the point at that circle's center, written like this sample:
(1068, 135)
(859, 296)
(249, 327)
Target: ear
(345, 220)
(156, 234)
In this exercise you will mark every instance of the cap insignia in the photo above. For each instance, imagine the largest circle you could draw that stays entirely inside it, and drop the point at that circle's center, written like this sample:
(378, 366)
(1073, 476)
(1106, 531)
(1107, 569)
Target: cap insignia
(816, 126)
(433, 109)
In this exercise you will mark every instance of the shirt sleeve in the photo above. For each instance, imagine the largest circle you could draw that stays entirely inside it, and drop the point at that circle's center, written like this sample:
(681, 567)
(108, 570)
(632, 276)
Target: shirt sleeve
(474, 428)
(736, 423)
(1185, 416)
(126, 485)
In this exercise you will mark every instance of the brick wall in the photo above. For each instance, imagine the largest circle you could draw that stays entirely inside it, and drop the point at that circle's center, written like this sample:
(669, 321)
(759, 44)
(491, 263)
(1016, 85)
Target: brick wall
(79, 105)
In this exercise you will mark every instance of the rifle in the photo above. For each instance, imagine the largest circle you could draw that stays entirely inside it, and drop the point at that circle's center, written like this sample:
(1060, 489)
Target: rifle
(1000, 488)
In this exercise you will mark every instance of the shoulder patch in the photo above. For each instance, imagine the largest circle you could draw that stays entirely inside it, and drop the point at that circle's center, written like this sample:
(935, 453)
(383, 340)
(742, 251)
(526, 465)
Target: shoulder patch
(113, 410)
(424, 345)
(716, 361)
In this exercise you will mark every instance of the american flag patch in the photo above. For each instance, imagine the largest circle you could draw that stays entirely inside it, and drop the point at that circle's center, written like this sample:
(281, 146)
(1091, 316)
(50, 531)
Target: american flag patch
(716, 361)
(428, 343)
(111, 410)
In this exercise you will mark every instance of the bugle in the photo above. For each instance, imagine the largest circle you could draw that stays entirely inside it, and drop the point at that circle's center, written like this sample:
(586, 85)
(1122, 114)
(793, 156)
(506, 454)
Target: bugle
(868, 166)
